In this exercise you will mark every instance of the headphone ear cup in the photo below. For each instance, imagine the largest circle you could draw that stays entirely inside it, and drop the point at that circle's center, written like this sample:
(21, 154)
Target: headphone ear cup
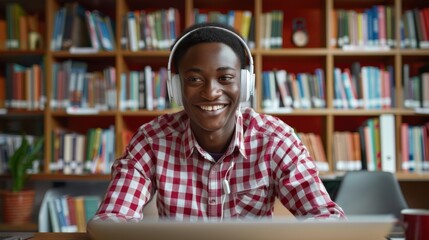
(176, 89)
(246, 84)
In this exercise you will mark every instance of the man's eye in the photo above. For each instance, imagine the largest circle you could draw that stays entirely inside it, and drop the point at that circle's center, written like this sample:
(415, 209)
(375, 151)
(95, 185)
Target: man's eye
(226, 78)
(193, 79)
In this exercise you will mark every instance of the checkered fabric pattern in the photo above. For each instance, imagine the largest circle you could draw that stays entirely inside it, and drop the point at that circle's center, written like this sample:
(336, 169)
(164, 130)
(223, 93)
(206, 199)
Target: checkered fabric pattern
(264, 160)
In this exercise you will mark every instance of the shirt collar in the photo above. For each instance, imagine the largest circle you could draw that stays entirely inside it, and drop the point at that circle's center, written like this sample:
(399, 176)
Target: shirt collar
(190, 144)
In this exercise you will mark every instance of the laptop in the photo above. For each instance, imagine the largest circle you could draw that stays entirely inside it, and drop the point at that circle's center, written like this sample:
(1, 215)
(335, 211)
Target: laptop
(355, 228)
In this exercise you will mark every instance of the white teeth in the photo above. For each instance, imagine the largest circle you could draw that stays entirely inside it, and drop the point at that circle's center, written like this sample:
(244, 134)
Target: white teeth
(212, 108)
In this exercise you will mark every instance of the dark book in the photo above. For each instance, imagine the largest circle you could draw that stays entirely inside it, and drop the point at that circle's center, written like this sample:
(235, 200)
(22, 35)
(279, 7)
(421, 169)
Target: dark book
(142, 90)
(356, 79)
(251, 40)
(362, 147)
(391, 71)
(68, 22)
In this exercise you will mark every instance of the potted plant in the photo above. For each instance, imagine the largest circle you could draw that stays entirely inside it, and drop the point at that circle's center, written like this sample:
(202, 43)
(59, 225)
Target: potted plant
(18, 203)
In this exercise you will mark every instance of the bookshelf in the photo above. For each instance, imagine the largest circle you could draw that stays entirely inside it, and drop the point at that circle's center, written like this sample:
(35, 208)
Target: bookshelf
(319, 53)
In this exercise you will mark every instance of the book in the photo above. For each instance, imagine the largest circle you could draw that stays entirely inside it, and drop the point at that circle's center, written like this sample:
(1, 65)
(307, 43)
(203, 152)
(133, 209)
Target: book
(388, 142)
(91, 204)
(53, 216)
(80, 213)
(286, 99)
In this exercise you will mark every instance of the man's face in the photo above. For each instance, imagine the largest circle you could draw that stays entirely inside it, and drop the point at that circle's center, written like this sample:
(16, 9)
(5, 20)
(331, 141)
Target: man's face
(210, 78)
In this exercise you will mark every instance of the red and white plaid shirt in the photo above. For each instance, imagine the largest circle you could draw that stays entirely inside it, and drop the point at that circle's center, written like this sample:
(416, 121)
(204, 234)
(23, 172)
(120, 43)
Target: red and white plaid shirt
(264, 160)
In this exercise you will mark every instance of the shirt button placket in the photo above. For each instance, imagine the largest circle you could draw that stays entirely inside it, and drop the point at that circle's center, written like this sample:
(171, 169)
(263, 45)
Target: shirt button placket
(213, 190)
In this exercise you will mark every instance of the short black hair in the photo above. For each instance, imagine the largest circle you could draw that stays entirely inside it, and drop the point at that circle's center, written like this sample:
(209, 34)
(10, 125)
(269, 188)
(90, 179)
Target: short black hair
(205, 34)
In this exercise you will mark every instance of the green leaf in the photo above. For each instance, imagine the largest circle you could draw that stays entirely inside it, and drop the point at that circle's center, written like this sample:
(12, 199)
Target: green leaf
(22, 159)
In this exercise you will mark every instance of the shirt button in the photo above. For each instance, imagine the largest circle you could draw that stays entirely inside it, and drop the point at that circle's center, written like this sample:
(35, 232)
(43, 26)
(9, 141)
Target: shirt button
(212, 201)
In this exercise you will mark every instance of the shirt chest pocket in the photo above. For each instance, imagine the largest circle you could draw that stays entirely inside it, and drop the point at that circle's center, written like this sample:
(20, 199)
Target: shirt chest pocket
(250, 199)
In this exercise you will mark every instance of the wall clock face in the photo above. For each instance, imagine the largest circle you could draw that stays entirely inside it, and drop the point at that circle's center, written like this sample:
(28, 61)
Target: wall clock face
(299, 32)
(300, 38)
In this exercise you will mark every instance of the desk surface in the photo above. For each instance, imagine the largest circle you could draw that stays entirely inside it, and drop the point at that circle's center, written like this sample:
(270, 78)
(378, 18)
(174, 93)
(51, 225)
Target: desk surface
(84, 236)
(60, 236)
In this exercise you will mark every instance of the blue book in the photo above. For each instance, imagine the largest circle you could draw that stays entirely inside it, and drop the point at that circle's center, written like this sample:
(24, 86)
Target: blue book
(375, 30)
(266, 96)
(369, 35)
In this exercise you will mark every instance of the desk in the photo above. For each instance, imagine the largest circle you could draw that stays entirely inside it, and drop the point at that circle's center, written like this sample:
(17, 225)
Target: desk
(84, 236)
(60, 236)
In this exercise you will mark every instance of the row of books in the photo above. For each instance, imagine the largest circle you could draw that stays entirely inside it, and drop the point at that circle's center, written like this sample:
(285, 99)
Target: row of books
(146, 89)
(415, 148)
(71, 213)
(314, 144)
(20, 30)
(75, 88)
(365, 87)
(371, 148)
(416, 88)
(78, 30)
(415, 28)
(373, 28)
(23, 87)
(242, 21)
(143, 30)
(9, 143)
(75, 153)
(272, 33)
(284, 90)
(347, 157)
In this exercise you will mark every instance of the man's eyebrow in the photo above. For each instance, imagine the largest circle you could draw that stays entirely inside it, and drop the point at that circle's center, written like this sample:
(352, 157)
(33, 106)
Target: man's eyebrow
(198, 70)
(225, 68)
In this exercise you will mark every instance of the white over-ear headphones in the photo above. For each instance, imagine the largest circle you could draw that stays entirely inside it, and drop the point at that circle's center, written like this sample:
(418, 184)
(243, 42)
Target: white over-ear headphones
(247, 75)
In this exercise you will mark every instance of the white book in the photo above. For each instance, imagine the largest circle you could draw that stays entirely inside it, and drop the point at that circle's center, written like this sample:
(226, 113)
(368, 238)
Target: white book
(148, 75)
(132, 32)
(388, 143)
(68, 155)
(281, 76)
(53, 215)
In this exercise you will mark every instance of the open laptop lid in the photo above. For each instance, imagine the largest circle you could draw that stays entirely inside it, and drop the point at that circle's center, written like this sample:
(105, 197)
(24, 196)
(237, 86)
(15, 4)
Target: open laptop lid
(355, 228)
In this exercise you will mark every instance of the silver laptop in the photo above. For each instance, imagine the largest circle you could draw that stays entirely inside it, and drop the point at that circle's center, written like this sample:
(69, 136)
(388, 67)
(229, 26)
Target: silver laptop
(355, 228)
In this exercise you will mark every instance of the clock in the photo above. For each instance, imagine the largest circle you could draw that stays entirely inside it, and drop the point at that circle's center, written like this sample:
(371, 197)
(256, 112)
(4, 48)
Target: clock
(299, 34)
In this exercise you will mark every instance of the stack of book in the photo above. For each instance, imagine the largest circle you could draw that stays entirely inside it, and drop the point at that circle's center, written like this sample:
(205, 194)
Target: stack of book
(366, 87)
(241, 20)
(143, 30)
(77, 90)
(20, 30)
(74, 153)
(79, 30)
(282, 90)
(24, 87)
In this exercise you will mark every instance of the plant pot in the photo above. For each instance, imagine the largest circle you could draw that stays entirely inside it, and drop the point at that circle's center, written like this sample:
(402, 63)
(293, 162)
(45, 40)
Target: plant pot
(18, 206)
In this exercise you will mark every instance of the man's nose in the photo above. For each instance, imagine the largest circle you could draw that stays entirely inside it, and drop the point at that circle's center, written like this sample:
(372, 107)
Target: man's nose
(212, 89)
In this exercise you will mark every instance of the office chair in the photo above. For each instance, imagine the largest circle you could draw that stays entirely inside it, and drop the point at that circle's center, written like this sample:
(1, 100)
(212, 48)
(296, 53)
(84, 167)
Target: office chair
(370, 193)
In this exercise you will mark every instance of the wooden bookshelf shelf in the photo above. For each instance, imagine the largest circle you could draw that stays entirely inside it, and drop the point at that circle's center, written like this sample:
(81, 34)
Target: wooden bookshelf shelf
(29, 227)
(147, 53)
(339, 52)
(7, 53)
(294, 52)
(64, 54)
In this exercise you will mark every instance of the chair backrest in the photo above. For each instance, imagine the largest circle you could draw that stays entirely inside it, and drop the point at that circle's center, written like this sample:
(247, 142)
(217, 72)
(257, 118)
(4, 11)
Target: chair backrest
(370, 193)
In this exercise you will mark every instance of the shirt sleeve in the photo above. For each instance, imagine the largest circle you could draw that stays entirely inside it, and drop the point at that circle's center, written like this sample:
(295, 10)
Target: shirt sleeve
(131, 186)
(299, 187)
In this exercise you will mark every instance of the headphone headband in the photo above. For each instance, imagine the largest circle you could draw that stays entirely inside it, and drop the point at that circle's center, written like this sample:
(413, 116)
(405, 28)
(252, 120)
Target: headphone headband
(243, 43)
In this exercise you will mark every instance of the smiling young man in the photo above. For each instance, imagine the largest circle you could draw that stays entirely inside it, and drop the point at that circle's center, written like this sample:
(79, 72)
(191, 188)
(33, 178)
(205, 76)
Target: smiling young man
(214, 160)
